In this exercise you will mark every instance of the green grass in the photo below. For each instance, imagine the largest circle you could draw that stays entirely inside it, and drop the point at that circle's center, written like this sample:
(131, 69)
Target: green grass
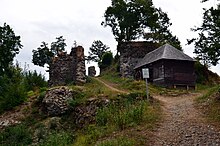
(210, 103)
(58, 139)
(125, 113)
(127, 116)
(124, 83)
(209, 92)
(96, 89)
(120, 141)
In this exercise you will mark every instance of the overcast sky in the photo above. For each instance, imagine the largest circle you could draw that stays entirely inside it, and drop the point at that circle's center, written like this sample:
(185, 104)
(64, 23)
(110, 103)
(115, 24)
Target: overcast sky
(80, 20)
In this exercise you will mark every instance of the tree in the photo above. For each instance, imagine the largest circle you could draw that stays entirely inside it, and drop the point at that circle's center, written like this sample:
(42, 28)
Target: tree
(160, 33)
(207, 44)
(106, 61)
(129, 19)
(10, 45)
(44, 55)
(96, 51)
(58, 46)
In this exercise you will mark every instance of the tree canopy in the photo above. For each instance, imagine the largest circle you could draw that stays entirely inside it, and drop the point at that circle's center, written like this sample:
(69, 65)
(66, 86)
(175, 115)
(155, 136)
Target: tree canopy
(207, 44)
(43, 55)
(96, 51)
(131, 19)
(10, 45)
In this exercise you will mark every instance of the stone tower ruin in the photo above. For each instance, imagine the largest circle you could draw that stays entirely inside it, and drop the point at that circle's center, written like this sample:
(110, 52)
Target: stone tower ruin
(131, 53)
(68, 68)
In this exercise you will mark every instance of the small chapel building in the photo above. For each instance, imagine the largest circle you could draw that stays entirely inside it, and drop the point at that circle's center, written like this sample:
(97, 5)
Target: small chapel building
(168, 67)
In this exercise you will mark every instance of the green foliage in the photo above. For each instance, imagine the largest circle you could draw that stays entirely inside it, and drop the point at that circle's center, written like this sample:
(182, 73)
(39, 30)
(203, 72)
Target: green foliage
(122, 114)
(33, 80)
(15, 85)
(12, 89)
(79, 98)
(120, 141)
(207, 44)
(130, 19)
(209, 93)
(96, 51)
(160, 33)
(10, 45)
(16, 135)
(58, 46)
(210, 103)
(204, 76)
(106, 60)
(58, 139)
(44, 55)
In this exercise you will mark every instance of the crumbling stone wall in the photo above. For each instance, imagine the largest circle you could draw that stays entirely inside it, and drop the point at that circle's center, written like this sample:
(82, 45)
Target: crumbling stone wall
(131, 53)
(91, 71)
(68, 68)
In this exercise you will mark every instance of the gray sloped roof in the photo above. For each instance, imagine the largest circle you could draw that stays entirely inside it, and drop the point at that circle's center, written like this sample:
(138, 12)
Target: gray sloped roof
(164, 52)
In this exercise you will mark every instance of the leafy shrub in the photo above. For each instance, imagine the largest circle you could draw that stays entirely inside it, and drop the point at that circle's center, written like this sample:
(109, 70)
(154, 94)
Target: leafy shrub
(106, 61)
(33, 80)
(12, 89)
(17, 135)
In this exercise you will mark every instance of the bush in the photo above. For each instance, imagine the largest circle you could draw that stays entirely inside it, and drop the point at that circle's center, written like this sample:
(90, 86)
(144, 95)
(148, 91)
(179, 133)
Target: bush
(12, 89)
(17, 135)
(107, 59)
(33, 80)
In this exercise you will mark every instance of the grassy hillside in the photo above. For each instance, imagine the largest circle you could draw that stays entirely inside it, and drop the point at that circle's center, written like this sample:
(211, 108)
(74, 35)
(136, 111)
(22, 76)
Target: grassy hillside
(127, 120)
(121, 122)
(209, 104)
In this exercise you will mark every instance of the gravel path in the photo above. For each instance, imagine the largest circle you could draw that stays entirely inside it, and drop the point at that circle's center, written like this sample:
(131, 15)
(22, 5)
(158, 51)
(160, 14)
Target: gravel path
(183, 125)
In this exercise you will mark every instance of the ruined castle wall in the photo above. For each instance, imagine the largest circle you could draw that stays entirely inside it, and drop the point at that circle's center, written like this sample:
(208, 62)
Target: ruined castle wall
(68, 68)
(131, 53)
(80, 68)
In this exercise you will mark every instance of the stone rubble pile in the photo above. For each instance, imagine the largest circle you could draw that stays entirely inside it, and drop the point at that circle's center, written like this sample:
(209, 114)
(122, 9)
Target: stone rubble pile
(56, 100)
(55, 103)
(85, 114)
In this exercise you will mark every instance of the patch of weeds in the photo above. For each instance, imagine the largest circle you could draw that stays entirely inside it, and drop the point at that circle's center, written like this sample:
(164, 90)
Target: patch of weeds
(214, 111)
(78, 98)
(58, 139)
(211, 104)
(123, 114)
(120, 141)
(30, 93)
(41, 96)
(81, 140)
(16, 135)
(208, 94)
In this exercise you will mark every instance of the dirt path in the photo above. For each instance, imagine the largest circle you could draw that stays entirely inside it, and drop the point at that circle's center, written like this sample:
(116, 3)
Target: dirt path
(110, 86)
(183, 125)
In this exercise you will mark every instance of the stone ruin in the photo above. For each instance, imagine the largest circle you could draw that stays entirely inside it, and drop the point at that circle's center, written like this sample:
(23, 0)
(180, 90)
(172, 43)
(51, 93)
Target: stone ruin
(91, 71)
(131, 53)
(68, 68)
(56, 100)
